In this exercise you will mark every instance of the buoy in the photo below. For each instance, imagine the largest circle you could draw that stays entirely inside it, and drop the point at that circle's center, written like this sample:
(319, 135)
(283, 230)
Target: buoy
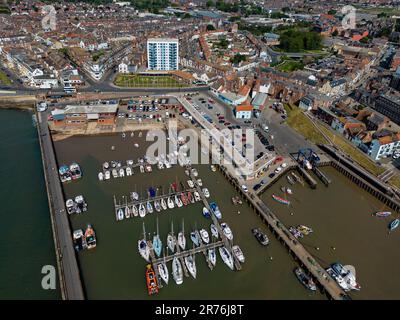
(271, 258)
(291, 213)
(238, 212)
(317, 248)
(333, 248)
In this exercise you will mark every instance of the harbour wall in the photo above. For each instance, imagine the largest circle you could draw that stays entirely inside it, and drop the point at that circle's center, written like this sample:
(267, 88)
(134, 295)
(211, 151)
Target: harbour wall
(18, 102)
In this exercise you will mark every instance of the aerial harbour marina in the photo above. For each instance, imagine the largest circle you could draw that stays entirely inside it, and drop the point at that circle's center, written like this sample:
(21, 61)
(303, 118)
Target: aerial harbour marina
(218, 150)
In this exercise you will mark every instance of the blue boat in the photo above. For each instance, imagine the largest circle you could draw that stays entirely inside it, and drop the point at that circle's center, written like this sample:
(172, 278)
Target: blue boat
(215, 210)
(394, 224)
(157, 245)
(206, 213)
(195, 237)
(152, 192)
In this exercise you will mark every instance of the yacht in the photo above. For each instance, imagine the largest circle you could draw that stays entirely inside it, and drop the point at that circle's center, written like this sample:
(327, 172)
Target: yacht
(206, 192)
(190, 183)
(238, 253)
(70, 206)
(178, 201)
(127, 212)
(305, 279)
(212, 256)
(90, 237)
(204, 236)
(170, 203)
(199, 182)
(177, 271)
(191, 265)
(163, 272)
(340, 281)
(120, 214)
(227, 231)
(128, 171)
(347, 275)
(196, 196)
(194, 236)
(226, 257)
(142, 210)
(101, 176)
(114, 173)
(157, 205)
(143, 248)
(163, 204)
(134, 196)
(149, 207)
(260, 236)
(217, 213)
(107, 175)
(214, 231)
(171, 241)
(135, 211)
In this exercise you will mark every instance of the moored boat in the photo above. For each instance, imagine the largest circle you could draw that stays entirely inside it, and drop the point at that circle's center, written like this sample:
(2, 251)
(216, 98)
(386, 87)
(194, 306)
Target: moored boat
(226, 257)
(238, 253)
(204, 236)
(196, 196)
(79, 240)
(171, 242)
(383, 214)
(214, 231)
(142, 210)
(151, 280)
(215, 210)
(304, 229)
(135, 211)
(149, 207)
(129, 171)
(121, 172)
(212, 257)
(394, 224)
(177, 271)
(170, 203)
(200, 182)
(206, 213)
(227, 231)
(101, 176)
(281, 200)
(305, 279)
(206, 192)
(260, 236)
(296, 233)
(107, 175)
(163, 272)
(191, 265)
(120, 214)
(190, 183)
(127, 212)
(190, 197)
(157, 205)
(90, 237)
(157, 244)
(184, 199)
(178, 202)
(290, 179)
(194, 236)
(75, 170)
(163, 204)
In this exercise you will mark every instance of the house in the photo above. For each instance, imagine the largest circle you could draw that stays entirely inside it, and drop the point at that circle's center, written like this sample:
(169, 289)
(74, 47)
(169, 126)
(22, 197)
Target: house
(243, 111)
(348, 125)
(334, 87)
(123, 68)
(382, 147)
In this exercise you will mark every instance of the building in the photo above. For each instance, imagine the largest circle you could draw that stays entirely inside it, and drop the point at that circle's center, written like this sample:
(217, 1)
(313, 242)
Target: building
(389, 106)
(384, 146)
(243, 111)
(162, 54)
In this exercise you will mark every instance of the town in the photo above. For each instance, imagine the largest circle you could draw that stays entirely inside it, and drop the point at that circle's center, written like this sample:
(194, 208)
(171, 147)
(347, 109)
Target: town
(300, 98)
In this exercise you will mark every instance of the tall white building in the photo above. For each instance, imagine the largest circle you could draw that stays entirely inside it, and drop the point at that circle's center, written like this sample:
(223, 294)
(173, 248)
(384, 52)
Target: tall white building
(162, 54)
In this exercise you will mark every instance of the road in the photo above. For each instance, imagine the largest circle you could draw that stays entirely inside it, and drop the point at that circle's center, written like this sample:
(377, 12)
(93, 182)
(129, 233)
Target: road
(71, 284)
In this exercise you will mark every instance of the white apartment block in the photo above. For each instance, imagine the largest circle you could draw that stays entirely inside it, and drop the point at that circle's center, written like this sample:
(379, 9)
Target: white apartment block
(162, 54)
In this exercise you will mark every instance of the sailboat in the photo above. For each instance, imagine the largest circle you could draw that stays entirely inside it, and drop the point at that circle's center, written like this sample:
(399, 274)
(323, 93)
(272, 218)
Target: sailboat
(127, 212)
(163, 204)
(135, 211)
(120, 214)
(204, 236)
(177, 271)
(196, 196)
(171, 242)
(144, 249)
(163, 271)
(157, 244)
(191, 265)
(142, 210)
(149, 207)
(170, 203)
(214, 231)
(178, 201)
(181, 237)
(212, 256)
(226, 257)
(157, 205)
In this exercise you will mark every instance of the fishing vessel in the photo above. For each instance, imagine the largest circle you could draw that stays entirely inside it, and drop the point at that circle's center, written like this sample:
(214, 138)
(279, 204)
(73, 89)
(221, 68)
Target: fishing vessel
(196, 196)
(206, 192)
(75, 171)
(191, 265)
(178, 202)
(177, 271)
(151, 280)
(170, 203)
(281, 200)
(206, 213)
(101, 176)
(217, 213)
(120, 214)
(394, 224)
(204, 236)
(79, 240)
(226, 256)
(142, 210)
(163, 272)
(260, 236)
(383, 214)
(107, 175)
(143, 248)
(194, 236)
(149, 207)
(190, 183)
(214, 231)
(227, 231)
(163, 204)
(304, 229)
(305, 279)
(182, 238)
(135, 211)
(157, 244)
(212, 256)
(90, 237)
(157, 205)
(238, 253)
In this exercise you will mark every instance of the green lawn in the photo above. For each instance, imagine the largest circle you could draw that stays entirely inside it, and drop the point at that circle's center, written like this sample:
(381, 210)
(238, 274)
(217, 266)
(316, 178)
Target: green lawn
(135, 80)
(4, 79)
(289, 66)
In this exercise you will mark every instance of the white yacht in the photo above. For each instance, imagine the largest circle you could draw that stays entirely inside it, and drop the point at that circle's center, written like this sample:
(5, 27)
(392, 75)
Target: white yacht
(177, 271)
(206, 192)
(200, 182)
(191, 265)
(238, 253)
(226, 257)
(163, 271)
(101, 176)
(127, 212)
(122, 172)
(128, 171)
(135, 211)
(107, 175)
(204, 236)
(227, 231)
(142, 210)
(120, 214)
(170, 203)
(114, 173)
(214, 231)
(178, 201)
(144, 249)
(149, 207)
(171, 242)
(163, 204)
(212, 256)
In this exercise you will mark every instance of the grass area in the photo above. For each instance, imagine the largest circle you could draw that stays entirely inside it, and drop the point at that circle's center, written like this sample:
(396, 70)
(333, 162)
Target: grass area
(4, 79)
(298, 121)
(290, 65)
(377, 10)
(135, 80)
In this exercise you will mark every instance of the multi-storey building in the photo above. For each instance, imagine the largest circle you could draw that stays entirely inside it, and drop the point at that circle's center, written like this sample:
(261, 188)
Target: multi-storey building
(162, 54)
(389, 106)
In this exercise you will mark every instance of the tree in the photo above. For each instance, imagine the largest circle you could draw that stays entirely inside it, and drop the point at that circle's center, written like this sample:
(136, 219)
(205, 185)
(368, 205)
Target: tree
(335, 33)
(210, 3)
(238, 58)
(332, 12)
(210, 27)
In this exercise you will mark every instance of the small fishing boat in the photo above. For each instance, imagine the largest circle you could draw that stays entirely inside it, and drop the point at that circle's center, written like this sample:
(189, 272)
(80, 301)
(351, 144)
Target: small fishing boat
(238, 253)
(157, 205)
(196, 196)
(226, 257)
(129, 171)
(394, 224)
(214, 231)
(304, 229)
(191, 265)
(127, 212)
(170, 203)
(151, 280)
(149, 207)
(120, 214)
(101, 176)
(296, 233)
(383, 214)
(217, 213)
(305, 279)
(190, 183)
(181, 240)
(206, 213)
(206, 192)
(227, 231)
(90, 237)
(204, 236)
(184, 199)
(134, 196)
(190, 197)
(177, 271)
(178, 201)
(163, 272)
(194, 236)
(260, 236)
(163, 204)
(212, 257)
(280, 200)
(107, 175)
(122, 172)
(142, 210)
(135, 211)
